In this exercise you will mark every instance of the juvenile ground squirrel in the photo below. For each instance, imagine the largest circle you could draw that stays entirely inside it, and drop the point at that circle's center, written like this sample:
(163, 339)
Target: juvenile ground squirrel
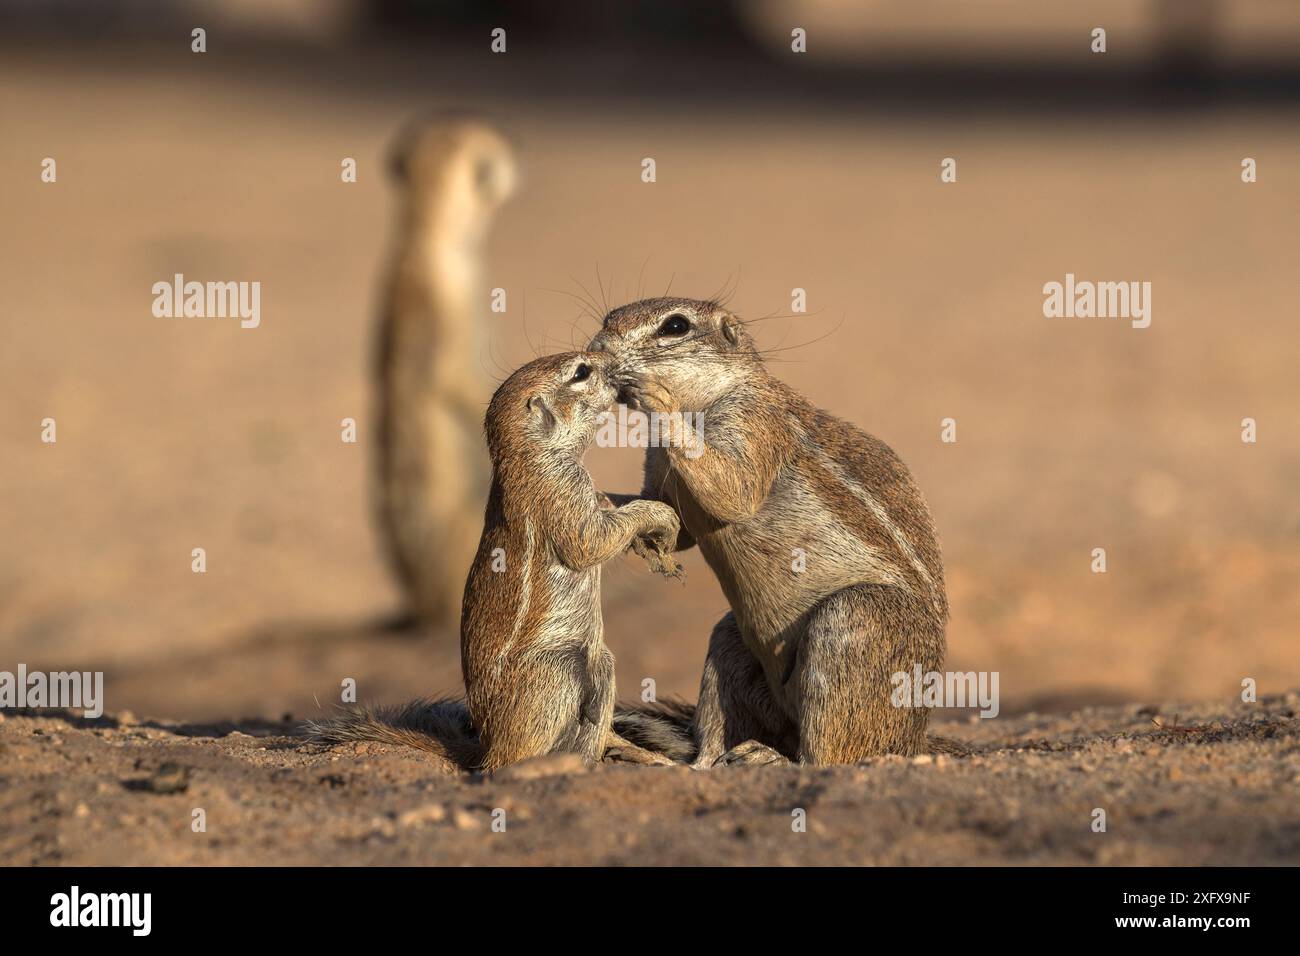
(538, 676)
(818, 536)
(431, 473)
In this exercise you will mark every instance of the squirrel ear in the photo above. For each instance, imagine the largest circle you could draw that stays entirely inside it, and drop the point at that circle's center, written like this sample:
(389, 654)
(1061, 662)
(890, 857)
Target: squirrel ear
(541, 411)
(730, 328)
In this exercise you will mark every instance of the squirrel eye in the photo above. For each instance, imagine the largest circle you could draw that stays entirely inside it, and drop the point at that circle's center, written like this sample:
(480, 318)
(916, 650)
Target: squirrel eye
(582, 373)
(675, 324)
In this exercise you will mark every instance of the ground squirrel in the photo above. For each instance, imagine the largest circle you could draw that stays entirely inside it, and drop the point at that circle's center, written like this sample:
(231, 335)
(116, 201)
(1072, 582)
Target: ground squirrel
(802, 663)
(431, 473)
(538, 675)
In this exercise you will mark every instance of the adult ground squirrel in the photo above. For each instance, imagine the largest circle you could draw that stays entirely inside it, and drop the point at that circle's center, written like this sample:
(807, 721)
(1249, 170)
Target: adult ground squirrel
(432, 475)
(818, 536)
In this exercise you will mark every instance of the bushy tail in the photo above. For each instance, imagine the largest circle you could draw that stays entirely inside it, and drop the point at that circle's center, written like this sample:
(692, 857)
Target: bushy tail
(439, 726)
(664, 727)
(443, 727)
(946, 745)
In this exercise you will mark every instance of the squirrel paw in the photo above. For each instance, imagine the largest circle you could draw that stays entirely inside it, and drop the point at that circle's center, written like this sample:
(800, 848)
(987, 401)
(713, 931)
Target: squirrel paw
(751, 753)
(631, 753)
(660, 562)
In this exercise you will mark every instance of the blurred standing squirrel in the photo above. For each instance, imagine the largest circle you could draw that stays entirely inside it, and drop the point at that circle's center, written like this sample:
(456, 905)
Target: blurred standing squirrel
(431, 475)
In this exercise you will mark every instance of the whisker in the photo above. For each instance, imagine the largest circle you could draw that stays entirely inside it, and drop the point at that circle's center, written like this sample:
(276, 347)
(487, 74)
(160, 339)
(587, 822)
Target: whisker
(640, 279)
(722, 298)
(587, 308)
(800, 345)
(524, 317)
(595, 306)
(501, 373)
(604, 301)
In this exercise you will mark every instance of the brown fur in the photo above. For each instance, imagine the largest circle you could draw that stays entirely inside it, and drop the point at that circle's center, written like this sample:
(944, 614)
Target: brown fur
(442, 727)
(431, 473)
(538, 675)
(802, 664)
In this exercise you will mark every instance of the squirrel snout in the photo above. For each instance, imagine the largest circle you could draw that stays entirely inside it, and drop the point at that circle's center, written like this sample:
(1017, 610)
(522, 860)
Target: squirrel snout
(607, 343)
(626, 382)
(629, 394)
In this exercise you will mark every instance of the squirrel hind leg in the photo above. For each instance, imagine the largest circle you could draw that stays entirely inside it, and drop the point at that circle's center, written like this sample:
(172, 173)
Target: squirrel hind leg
(752, 753)
(620, 749)
(736, 705)
(867, 629)
(596, 681)
(557, 708)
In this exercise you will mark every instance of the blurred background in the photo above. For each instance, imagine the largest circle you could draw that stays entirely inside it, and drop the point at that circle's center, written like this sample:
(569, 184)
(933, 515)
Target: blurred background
(775, 171)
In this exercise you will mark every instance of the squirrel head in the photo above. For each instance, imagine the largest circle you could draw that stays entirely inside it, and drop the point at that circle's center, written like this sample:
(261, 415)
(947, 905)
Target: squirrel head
(694, 349)
(552, 404)
(456, 171)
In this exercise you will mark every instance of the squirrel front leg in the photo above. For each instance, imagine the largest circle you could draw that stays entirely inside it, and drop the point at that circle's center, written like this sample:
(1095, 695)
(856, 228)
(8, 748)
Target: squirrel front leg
(730, 487)
(653, 491)
(728, 475)
(606, 533)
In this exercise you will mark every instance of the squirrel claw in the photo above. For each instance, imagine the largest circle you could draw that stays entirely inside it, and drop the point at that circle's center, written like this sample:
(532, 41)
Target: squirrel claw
(660, 561)
(666, 565)
(670, 568)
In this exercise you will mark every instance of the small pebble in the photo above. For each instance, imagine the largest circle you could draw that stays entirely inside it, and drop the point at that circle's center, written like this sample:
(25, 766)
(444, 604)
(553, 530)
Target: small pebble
(169, 778)
(548, 765)
(464, 820)
(429, 813)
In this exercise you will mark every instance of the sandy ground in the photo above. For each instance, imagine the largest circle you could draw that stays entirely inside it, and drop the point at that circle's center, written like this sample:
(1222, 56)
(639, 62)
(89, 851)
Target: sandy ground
(925, 303)
(1214, 785)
